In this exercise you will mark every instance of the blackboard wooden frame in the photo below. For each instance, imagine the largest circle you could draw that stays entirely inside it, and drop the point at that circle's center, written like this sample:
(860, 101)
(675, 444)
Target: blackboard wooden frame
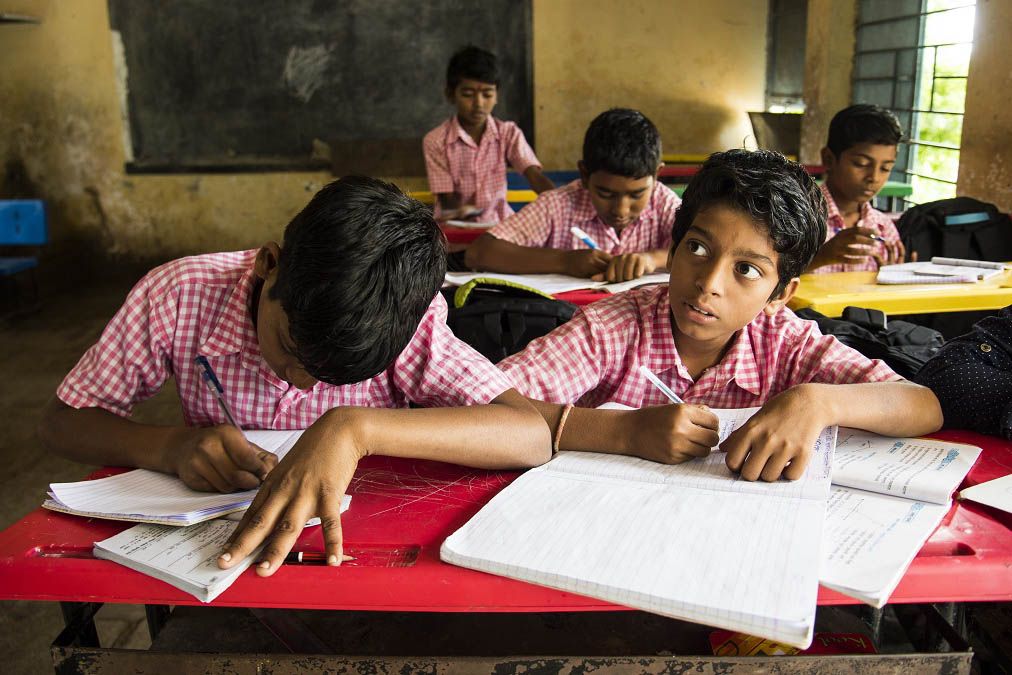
(228, 86)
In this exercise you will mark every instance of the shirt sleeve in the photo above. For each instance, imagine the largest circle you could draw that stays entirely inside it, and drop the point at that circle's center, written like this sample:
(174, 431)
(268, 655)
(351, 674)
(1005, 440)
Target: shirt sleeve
(437, 370)
(519, 153)
(131, 360)
(530, 226)
(823, 358)
(559, 367)
(437, 163)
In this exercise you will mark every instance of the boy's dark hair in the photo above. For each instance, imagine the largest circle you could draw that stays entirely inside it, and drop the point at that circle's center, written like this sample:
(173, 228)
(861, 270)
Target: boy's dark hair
(771, 190)
(358, 268)
(863, 123)
(622, 142)
(472, 63)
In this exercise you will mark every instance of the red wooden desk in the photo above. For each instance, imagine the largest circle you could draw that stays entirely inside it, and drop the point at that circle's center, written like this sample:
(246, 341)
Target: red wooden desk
(400, 513)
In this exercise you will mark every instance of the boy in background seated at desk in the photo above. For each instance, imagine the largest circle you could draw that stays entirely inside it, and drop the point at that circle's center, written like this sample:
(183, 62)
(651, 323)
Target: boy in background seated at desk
(617, 201)
(719, 335)
(859, 155)
(341, 321)
(465, 156)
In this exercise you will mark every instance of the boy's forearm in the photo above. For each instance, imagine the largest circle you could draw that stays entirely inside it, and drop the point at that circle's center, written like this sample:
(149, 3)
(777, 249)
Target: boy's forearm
(508, 433)
(488, 254)
(538, 180)
(659, 257)
(889, 408)
(96, 436)
(585, 429)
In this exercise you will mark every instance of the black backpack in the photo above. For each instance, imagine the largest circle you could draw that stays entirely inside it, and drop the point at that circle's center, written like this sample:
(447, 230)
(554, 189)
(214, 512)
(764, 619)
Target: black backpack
(499, 319)
(904, 346)
(956, 228)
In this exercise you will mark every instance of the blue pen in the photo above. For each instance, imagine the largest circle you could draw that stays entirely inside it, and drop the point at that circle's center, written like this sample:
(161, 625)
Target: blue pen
(215, 387)
(656, 381)
(584, 237)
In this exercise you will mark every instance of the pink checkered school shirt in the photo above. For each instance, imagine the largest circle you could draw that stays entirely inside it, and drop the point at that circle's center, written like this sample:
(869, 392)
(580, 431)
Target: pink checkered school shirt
(595, 358)
(546, 222)
(200, 305)
(870, 217)
(476, 172)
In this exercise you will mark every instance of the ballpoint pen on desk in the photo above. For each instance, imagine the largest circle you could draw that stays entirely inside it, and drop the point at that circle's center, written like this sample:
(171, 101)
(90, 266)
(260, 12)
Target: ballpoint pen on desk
(215, 387)
(584, 237)
(311, 558)
(656, 381)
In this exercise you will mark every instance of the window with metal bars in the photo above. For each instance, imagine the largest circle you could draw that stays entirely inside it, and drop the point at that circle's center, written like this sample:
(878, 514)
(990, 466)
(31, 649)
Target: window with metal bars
(912, 57)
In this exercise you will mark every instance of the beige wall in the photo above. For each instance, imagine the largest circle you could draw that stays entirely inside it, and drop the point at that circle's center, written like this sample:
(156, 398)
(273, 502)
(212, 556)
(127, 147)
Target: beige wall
(829, 61)
(694, 67)
(985, 163)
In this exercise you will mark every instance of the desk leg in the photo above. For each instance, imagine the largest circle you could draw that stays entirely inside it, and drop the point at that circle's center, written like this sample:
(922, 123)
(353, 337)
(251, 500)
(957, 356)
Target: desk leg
(157, 616)
(80, 631)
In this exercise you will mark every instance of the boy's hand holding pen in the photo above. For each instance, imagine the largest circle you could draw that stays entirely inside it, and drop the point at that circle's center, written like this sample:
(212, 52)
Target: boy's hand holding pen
(218, 458)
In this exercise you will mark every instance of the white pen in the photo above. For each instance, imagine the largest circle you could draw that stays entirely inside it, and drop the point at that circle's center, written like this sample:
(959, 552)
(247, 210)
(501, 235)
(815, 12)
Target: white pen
(656, 381)
(584, 237)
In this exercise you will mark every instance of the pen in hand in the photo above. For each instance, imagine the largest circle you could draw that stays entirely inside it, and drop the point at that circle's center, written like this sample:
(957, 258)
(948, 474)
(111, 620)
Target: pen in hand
(585, 238)
(215, 387)
(656, 381)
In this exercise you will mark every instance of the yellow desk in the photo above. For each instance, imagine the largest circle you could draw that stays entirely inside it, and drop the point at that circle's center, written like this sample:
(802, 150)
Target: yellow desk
(512, 196)
(830, 293)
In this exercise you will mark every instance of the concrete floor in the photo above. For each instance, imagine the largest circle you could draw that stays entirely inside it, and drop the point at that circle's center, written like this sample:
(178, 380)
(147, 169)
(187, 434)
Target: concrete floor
(36, 351)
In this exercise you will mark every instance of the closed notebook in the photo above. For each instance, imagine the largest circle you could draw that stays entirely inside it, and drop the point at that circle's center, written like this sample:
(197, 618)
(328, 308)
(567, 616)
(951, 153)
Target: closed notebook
(888, 496)
(692, 540)
(556, 283)
(152, 497)
(185, 557)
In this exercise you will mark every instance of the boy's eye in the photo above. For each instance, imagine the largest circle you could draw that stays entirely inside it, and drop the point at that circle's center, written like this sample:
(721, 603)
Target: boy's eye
(748, 271)
(695, 248)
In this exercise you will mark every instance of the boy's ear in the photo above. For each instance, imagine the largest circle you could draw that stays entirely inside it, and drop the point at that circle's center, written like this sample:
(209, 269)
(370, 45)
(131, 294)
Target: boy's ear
(828, 158)
(267, 260)
(448, 92)
(584, 176)
(776, 303)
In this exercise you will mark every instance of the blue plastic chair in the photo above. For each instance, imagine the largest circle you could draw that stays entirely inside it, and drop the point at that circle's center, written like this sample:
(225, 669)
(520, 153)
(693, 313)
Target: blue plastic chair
(22, 223)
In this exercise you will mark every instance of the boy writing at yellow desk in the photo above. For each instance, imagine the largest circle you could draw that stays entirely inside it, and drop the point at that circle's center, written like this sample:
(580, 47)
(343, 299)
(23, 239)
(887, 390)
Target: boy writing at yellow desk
(859, 155)
(327, 331)
(614, 223)
(719, 335)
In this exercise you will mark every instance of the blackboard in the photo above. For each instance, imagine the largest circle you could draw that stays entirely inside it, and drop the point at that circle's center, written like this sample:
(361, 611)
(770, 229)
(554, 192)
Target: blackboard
(232, 85)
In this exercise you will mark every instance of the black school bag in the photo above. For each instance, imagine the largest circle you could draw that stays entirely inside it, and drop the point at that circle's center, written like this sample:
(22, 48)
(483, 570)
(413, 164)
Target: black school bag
(498, 318)
(904, 346)
(961, 227)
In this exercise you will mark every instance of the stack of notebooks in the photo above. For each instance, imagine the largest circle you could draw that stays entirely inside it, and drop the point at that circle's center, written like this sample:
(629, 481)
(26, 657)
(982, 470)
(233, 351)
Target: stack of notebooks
(939, 271)
(550, 284)
(695, 542)
(182, 532)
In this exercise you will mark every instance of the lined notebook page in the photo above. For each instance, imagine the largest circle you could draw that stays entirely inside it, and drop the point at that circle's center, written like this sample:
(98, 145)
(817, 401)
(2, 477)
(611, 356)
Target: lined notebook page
(742, 559)
(144, 495)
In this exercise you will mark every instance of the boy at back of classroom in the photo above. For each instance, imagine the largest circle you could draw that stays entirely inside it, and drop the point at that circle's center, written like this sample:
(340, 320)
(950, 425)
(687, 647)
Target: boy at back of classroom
(719, 335)
(617, 201)
(466, 156)
(859, 155)
(330, 331)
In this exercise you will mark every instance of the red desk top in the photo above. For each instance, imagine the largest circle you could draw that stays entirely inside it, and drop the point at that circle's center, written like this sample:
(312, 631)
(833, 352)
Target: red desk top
(461, 235)
(402, 510)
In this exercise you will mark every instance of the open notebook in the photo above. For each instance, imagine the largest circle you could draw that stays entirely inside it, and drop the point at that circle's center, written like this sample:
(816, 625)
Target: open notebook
(939, 271)
(692, 541)
(186, 557)
(888, 496)
(556, 283)
(152, 497)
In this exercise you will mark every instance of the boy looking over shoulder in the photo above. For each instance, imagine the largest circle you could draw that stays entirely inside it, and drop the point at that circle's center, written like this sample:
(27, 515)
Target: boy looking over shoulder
(859, 155)
(466, 156)
(327, 331)
(719, 335)
(617, 201)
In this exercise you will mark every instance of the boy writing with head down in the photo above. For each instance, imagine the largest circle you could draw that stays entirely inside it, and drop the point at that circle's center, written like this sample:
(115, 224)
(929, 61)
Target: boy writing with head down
(859, 155)
(466, 156)
(327, 331)
(719, 335)
(617, 203)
